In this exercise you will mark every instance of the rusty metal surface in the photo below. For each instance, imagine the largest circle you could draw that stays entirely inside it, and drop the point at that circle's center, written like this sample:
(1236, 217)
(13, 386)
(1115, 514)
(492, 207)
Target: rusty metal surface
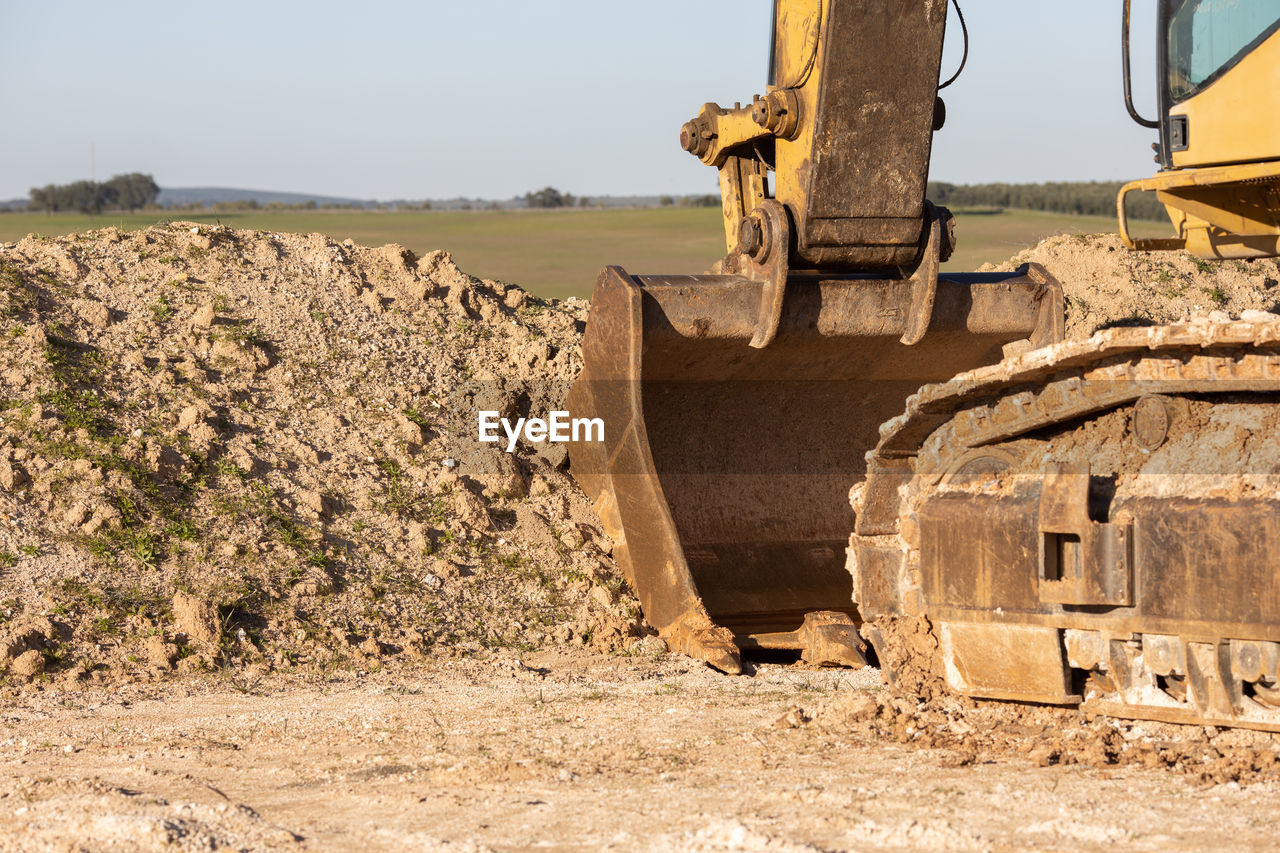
(864, 184)
(1004, 660)
(1081, 561)
(725, 471)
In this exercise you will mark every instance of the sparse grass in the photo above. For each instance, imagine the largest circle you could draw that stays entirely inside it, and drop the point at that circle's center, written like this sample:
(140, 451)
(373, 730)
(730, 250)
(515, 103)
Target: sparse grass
(1216, 295)
(162, 310)
(416, 417)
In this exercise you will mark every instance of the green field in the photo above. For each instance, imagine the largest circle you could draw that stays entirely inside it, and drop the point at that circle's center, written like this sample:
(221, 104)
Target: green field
(558, 253)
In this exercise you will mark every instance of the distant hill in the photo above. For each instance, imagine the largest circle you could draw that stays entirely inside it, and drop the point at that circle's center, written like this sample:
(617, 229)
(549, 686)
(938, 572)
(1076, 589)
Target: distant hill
(177, 196)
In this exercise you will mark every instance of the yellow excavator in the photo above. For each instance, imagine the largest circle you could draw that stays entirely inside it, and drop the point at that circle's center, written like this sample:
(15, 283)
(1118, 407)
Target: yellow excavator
(825, 438)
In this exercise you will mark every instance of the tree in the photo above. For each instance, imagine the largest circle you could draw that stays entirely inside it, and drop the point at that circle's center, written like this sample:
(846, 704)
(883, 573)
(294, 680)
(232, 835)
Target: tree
(548, 197)
(126, 192)
(666, 201)
(134, 191)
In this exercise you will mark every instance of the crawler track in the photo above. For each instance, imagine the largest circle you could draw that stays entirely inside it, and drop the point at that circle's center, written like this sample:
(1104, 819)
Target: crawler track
(1095, 522)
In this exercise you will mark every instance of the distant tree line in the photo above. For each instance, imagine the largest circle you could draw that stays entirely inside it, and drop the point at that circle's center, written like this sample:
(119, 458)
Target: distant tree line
(690, 201)
(1091, 198)
(133, 191)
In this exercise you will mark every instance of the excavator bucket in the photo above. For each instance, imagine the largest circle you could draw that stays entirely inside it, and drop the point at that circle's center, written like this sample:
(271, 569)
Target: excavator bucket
(738, 407)
(725, 469)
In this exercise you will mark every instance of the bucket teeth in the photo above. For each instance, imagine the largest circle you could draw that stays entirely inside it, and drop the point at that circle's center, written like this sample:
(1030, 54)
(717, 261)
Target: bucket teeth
(698, 637)
(830, 638)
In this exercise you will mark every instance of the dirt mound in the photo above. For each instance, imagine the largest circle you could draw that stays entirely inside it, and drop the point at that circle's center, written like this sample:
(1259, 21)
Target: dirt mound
(1106, 285)
(238, 447)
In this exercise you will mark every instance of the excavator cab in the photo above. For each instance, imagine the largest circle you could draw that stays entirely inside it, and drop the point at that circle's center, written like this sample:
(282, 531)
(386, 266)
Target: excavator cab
(1219, 148)
(739, 404)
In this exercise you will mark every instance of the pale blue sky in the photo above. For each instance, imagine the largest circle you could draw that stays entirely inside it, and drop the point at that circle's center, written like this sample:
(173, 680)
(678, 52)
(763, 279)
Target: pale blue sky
(433, 99)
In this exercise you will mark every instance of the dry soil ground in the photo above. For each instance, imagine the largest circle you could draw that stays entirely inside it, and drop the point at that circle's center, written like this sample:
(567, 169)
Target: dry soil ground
(568, 751)
(260, 587)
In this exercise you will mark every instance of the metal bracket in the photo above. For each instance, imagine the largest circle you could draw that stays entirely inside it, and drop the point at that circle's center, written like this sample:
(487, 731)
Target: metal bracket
(1082, 562)
(924, 281)
(764, 248)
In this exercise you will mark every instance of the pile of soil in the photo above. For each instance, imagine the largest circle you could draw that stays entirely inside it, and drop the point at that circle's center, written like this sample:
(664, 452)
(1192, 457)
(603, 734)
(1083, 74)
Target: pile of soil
(1106, 285)
(226, 448)
(241, 448)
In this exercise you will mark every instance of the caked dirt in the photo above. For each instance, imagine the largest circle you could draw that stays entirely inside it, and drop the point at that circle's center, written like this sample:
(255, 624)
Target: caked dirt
(261, 587)
(1106, 285)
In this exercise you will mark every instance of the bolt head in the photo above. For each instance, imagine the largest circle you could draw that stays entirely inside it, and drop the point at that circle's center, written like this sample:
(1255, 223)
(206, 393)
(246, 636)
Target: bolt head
(750, 237)
(688, 136)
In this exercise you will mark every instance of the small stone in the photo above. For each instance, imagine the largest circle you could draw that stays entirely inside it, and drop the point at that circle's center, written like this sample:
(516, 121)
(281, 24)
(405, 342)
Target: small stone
(166, 461)
(76, 515)
(1044, 755)
(27, 635)
(793, 719)
(189, 417)
(196, 618)
(27, 665)
(408, 431)
(471, 510)
(12, 477)
(540, 486)
(858, 707)
(160, 654)
(653, 645)
(500, 473)
(93, 312)
(398, 256)
(602, 596)
(314, 501)
(204, 316)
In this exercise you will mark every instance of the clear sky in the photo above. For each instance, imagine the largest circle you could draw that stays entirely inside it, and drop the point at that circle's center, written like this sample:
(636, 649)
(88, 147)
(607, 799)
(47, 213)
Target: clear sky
(434, 99)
